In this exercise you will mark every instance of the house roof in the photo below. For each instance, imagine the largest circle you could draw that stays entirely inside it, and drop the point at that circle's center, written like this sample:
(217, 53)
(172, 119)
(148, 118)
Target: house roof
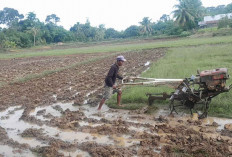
(213, 19)
(217, 17)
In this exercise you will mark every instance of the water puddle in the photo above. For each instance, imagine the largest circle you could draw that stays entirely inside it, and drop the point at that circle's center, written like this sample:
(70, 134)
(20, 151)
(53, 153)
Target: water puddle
(88, 94)
(157, 150)
(220, 121)
(76, 153)
(73, 136)
(140, 129)
(7, 151)
(125, 140)
(14, 127)
(54, 110)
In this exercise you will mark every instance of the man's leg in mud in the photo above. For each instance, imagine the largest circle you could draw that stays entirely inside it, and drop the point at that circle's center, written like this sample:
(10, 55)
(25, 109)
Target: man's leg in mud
(119, 98)
(101, 103)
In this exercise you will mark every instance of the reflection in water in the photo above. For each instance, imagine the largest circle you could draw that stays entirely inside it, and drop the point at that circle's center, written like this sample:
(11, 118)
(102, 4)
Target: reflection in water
(74, 153)
(7, 151)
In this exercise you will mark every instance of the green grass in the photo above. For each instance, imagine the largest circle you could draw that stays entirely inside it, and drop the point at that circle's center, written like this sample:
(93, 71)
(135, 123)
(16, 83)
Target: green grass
(122, 47)
(205, 30)
(214, 31)
(181, 63)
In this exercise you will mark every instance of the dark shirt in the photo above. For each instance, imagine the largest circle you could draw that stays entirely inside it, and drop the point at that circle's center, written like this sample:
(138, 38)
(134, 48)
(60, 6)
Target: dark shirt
(112, 75)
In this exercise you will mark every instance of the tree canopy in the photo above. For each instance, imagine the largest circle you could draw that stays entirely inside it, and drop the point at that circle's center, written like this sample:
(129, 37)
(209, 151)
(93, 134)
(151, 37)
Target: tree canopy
(9, 15)
(26, 31)
(52, 19)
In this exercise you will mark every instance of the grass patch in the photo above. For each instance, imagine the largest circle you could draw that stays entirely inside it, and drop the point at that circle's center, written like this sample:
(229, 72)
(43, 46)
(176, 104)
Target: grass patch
(208, 30)
(183, 62)
(123, 47)
(134, 98)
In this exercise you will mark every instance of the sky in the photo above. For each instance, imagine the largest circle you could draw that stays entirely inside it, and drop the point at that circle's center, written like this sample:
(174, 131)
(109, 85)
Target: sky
(117, 14)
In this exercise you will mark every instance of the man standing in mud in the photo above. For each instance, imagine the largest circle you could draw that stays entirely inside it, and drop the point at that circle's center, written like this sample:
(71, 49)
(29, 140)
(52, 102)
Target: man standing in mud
(110, 87)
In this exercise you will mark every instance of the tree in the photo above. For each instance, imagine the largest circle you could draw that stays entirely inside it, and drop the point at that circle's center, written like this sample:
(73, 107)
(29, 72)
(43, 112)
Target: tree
(188, 13)
(168, 27)
(77, 31)
(52, 19)
(9, 15)
(164, 18)
(34, 32)
(33, 25)
(229, 8)
(212, 11)
(183, 15)
(111, 33)
(146, 26)
(132, 31)
(100, 32)
(32, 17)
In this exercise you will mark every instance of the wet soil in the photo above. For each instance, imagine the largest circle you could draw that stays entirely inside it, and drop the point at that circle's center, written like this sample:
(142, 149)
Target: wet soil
(56, 115)
(13, 69)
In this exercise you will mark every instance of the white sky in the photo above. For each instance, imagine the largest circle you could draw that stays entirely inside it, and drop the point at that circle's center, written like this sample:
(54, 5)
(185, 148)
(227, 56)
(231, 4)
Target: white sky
(117, 14)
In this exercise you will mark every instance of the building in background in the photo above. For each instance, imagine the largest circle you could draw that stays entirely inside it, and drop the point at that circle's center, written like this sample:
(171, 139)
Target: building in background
(212, 21)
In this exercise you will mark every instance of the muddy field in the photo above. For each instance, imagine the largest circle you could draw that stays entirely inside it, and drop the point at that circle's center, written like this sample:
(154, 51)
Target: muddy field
(55, 115)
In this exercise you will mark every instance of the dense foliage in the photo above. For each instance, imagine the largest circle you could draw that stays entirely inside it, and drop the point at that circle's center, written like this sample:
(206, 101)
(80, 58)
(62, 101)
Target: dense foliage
(221, 9)
(26, 31)
(188, 13)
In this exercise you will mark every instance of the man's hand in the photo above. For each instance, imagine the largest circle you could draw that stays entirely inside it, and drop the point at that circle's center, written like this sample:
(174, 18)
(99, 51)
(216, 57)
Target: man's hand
(114, 86)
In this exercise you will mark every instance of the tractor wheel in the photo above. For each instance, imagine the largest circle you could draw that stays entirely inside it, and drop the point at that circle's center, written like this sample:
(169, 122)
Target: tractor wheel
(205, 109)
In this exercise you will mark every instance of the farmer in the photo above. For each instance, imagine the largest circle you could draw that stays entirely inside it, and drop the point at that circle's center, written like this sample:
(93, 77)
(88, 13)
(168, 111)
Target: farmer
(110, 87)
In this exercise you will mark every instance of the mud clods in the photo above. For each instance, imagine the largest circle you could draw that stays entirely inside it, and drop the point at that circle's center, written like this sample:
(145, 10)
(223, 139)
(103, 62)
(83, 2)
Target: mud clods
(48, 151)
(32, 132)
(95, 149)
(106, 130)
(227, 131)
(68, 120)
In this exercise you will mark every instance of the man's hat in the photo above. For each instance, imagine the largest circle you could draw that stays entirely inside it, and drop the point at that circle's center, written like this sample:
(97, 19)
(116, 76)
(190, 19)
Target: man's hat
(121, 58)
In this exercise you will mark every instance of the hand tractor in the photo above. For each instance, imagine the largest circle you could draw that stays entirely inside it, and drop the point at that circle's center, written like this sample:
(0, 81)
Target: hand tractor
(188, 92)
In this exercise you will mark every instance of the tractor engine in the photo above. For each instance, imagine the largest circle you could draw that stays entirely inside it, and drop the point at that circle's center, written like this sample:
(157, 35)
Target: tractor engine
(214, 80)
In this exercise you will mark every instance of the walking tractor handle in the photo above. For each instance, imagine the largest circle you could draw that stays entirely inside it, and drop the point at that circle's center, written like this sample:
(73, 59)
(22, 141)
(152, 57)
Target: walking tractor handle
(151, 81)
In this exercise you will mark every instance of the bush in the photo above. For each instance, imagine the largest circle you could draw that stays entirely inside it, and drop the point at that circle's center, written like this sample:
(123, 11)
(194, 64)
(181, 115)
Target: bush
(225, 23)
(9, 44)
(185, 34)
(222, 32)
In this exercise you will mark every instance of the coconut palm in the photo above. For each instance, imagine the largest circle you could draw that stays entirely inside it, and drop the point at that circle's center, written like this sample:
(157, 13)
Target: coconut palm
(146, 26)
(188, 13)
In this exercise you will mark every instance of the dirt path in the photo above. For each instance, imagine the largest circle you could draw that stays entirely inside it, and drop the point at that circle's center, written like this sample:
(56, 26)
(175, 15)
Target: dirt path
(38, 117)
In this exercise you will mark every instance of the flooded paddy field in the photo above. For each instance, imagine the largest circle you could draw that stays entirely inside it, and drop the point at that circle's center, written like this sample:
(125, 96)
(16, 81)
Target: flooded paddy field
(56, 115)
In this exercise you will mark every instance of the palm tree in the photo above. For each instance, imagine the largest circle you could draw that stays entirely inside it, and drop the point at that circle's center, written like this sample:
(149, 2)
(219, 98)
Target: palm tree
(188, 13)
(146, 26)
